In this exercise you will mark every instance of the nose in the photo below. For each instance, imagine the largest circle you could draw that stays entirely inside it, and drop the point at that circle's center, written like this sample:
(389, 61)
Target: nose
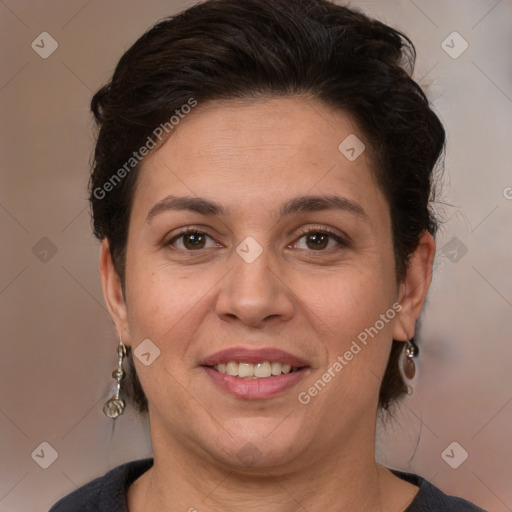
(255, 293)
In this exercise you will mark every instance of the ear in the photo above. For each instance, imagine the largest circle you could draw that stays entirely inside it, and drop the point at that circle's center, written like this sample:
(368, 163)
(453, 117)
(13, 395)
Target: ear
(413, 289)
(113, 292)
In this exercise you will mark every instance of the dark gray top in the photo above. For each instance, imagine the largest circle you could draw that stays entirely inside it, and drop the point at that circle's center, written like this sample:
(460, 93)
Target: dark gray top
(108, 493)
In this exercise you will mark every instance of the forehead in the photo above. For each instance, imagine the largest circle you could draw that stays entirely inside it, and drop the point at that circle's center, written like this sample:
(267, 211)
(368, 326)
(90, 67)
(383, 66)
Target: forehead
(269, 149)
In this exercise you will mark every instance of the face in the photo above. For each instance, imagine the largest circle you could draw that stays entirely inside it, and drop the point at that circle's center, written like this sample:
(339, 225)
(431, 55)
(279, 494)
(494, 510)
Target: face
(260, 264)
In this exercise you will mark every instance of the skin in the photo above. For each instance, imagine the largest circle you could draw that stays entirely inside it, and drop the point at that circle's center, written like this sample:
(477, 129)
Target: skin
(251, 157)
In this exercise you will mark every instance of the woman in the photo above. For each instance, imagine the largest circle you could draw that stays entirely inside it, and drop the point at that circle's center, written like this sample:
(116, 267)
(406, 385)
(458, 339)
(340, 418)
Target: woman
(262, 184)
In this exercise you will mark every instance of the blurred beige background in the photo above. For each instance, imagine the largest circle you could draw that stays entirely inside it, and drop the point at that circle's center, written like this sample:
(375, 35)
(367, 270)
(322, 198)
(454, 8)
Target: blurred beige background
(58, 346)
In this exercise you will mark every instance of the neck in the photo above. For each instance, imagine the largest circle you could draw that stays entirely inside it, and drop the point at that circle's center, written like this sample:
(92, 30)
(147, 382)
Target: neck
(181, 480)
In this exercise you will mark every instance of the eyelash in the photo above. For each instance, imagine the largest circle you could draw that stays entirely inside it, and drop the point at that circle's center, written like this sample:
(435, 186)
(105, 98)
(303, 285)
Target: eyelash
(322, 231)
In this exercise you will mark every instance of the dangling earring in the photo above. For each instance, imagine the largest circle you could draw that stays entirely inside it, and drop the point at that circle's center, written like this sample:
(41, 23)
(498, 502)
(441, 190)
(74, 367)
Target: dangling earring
(411, 350)
(114, 407)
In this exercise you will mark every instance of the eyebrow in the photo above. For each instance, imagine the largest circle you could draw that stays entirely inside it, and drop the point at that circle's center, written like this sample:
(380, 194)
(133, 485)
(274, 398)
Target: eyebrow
(194, 204)
(306, 204)
(298, 205)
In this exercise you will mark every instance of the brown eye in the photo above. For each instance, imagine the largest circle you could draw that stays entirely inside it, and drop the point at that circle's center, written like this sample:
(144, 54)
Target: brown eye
(194, 240)
(317, 241)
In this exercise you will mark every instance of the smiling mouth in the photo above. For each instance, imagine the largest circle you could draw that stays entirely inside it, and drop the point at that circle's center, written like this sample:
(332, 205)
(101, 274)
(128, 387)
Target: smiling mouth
(262, 370)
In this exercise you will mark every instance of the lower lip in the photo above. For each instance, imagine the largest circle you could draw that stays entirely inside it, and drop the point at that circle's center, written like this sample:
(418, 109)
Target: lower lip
(255, 388)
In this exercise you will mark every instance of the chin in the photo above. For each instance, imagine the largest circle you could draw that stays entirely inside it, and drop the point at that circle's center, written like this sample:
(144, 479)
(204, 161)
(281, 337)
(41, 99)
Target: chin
(249, 444)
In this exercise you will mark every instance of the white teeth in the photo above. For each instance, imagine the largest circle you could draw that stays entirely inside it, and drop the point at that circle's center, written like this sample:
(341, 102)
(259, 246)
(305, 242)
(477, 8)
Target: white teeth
(262, 370)
(276, 368)
(231, 368)
(245, 370)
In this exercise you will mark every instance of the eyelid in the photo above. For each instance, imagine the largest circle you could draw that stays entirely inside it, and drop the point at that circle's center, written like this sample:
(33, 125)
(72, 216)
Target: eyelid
(186, 230)
(341, 237)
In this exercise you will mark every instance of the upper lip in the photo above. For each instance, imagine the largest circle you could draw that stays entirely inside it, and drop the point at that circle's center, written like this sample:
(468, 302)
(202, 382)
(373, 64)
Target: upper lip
(254, 356)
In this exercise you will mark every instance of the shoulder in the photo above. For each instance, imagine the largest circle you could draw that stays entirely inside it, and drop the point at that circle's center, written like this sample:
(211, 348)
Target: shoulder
(106, 493)
(432, 499)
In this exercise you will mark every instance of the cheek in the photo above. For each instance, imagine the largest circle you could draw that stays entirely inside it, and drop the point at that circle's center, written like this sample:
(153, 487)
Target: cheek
(345, 311)
(168, 311)
(349, 301)
(164, 307)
